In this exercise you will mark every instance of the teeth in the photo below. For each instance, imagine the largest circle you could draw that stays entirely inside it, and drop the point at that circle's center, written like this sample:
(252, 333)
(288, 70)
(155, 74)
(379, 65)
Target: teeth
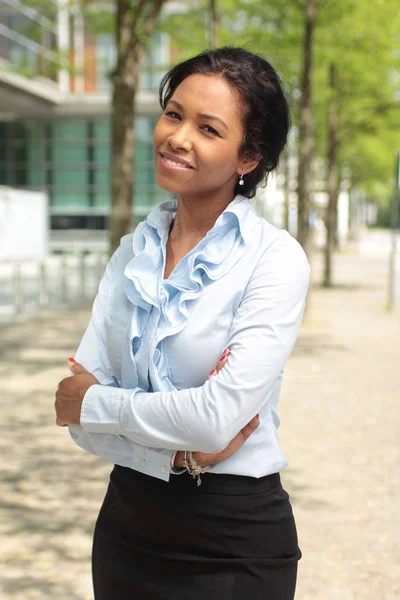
(175, 164)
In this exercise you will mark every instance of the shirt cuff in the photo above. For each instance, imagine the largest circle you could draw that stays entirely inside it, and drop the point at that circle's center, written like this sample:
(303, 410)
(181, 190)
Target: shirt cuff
(176, 470)
(100, 414)
(100, 410)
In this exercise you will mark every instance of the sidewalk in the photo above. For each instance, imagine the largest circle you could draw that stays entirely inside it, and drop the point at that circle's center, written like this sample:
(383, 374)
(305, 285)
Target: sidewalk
(340, 431)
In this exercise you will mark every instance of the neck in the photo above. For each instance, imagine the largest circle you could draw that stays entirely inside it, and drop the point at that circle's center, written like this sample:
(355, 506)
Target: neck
(195, 217)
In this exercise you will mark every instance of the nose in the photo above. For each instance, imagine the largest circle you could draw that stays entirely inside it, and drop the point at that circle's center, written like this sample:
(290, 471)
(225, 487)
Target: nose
(180, 139)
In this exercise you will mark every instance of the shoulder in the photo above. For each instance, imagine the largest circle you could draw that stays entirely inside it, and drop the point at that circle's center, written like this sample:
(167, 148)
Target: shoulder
(121, 257)
(280, 254)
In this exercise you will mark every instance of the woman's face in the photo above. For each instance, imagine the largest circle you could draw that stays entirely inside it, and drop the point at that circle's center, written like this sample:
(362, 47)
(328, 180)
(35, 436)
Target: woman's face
(197, 139)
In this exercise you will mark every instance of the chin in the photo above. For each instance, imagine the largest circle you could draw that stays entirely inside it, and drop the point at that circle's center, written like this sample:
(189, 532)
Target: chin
(168, 184)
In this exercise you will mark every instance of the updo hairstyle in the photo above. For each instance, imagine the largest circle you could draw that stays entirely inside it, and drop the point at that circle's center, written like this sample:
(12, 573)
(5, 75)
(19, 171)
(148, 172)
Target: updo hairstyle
(265, 110)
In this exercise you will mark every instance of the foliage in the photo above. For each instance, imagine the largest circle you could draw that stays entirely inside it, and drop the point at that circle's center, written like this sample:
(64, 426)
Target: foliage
(360, 38)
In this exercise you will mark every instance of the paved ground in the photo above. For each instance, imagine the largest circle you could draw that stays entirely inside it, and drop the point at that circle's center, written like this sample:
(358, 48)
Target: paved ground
(340, 430)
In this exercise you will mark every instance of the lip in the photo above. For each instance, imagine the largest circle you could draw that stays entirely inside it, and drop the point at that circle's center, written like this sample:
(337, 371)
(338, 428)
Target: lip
(185, 164)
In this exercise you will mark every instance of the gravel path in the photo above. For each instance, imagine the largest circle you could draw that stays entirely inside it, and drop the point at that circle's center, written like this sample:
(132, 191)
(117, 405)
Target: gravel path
(340, 431)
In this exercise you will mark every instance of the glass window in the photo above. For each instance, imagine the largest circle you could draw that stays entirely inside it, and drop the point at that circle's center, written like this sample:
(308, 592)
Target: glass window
(101, 129)
(69, 130)
(3, 153)
(101, 163)
(155, 62)
(35, 155)
(106, 57)
(72, 197)
(144, 129)
(69, 164)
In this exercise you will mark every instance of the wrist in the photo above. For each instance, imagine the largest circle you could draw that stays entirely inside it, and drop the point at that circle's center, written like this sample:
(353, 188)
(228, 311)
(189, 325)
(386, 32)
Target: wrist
(202, 459)
(178, 460)
(193, 467)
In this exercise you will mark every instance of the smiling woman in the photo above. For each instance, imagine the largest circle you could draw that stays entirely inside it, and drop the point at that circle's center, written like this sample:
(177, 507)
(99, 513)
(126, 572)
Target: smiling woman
(197, 151)
(180, 369)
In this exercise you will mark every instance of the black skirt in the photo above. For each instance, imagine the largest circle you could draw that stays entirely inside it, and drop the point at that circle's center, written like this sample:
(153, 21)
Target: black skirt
(232, 538)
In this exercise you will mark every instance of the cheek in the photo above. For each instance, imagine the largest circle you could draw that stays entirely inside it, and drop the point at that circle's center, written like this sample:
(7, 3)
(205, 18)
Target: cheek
(222, 160)
(157, 134)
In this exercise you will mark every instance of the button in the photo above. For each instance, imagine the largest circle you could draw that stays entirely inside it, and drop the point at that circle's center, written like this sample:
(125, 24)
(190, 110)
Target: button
(143, 463)
(164, 469)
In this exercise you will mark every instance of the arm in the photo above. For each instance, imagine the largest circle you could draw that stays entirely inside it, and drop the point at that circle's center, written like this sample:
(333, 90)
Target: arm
(92, 355)
(207, 418)
(71, 392)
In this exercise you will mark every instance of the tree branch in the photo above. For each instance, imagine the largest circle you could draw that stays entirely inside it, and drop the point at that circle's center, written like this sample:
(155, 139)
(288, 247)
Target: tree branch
(150, 21)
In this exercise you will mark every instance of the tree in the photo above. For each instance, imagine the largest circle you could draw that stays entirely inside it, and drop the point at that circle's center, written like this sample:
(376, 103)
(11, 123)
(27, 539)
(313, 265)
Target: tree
(358, 104)
(213, 24)
(306, 129)
(134, 24)
(333, 176)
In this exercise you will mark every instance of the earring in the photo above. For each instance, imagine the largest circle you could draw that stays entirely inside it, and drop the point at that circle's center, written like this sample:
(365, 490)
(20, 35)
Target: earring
(241, 182)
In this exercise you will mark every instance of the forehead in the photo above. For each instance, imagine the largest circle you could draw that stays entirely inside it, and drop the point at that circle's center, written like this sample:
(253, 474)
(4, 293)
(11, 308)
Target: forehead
(209, 94)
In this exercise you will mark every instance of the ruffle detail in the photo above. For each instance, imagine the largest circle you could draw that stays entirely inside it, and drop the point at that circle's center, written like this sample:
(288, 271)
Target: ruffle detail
(174, 299)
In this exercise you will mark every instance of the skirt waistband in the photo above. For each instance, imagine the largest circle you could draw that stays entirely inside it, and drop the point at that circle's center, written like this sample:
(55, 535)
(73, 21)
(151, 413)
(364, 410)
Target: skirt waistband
(236, 485)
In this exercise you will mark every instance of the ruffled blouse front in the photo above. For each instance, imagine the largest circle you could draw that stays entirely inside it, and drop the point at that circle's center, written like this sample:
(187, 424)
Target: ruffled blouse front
(163, 306)
(243, 286)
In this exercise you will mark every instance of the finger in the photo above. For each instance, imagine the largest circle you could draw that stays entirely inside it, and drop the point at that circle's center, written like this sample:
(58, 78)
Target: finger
(221, 364)
(255, 420)
(212, 374)
(250, 427)
(62, 383)
(223, 360)
(76, 367)
(225, 354)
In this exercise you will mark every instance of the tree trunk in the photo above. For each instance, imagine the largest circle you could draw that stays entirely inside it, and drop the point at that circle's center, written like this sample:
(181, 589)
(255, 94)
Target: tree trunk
(306, 131)
(135, 22)
(333, 178)
(286, 188)
(213, 24)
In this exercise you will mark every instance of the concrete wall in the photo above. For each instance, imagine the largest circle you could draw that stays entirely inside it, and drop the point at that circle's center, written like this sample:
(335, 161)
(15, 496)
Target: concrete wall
(23, 224)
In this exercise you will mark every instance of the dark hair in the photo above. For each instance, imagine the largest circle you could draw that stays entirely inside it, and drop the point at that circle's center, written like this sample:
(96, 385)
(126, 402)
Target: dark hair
(266, 116)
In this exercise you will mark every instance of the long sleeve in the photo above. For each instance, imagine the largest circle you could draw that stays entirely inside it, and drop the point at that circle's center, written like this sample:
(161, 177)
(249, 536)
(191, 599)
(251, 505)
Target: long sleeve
(206, 418)
(113, 446)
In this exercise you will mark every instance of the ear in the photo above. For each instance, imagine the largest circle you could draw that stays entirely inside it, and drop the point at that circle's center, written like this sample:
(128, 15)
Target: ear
(248, 164)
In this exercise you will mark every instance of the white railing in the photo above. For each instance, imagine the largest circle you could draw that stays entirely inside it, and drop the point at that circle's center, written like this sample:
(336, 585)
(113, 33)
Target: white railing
(56, 282)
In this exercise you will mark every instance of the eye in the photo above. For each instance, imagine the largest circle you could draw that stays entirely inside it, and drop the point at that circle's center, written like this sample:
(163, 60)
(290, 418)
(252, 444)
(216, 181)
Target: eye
(210, 130)
(172, 114)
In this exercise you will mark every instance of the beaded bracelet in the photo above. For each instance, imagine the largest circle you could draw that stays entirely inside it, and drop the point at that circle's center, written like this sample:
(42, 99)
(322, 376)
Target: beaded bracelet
(193, 468)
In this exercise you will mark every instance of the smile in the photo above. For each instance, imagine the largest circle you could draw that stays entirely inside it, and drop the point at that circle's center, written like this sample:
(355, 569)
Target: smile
(174, 164)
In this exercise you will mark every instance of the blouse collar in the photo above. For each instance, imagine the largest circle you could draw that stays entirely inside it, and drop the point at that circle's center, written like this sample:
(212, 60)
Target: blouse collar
(240, 212)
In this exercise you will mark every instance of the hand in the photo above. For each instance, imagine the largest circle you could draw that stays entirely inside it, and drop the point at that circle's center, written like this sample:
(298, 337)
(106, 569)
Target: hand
(203, 458)
(70, 394)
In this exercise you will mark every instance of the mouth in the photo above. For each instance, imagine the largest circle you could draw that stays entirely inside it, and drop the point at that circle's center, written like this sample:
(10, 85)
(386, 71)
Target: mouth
(174, 162)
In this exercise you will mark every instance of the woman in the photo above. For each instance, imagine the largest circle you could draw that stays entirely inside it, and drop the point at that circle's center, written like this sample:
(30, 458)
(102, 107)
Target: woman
(200, 274)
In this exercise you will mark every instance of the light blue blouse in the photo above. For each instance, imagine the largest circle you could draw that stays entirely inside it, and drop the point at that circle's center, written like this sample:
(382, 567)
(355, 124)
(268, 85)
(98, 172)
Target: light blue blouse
(152, 343)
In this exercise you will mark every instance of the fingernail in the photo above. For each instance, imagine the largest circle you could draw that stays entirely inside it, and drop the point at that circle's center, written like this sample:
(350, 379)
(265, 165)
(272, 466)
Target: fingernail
(71, 360)
(258, 415)
(213, 372)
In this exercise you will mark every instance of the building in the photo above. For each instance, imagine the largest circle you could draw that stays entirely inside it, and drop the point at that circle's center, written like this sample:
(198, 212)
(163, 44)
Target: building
(54, 112)
(55, 126)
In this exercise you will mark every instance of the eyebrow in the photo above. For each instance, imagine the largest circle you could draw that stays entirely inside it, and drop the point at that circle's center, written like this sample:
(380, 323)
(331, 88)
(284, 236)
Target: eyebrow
(201, 115)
